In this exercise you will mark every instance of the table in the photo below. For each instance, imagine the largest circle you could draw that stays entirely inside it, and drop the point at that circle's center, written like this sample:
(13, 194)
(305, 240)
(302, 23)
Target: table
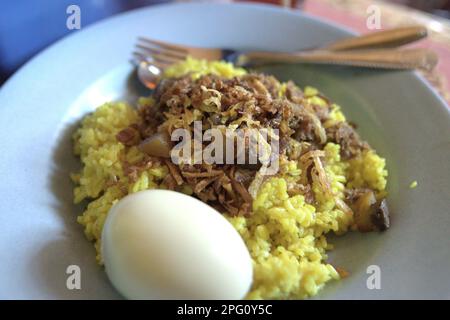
(353, 14)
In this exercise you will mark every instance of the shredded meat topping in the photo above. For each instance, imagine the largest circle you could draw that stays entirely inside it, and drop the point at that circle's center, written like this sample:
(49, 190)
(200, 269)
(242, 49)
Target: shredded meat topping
(349, 140)
(251, 101)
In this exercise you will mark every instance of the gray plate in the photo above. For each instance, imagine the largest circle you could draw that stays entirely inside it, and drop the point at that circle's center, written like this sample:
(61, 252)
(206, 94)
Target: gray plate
(398, 113)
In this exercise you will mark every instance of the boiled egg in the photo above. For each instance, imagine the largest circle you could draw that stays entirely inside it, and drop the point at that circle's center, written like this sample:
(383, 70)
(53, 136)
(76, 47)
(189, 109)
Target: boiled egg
(160, 244)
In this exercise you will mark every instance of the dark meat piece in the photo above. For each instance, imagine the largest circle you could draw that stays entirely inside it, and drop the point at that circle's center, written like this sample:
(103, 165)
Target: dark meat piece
(283, 144)
(349, 140)
(304, 123)
(274, 121)
(215, 119)
(294, 93)
(244, 176)
(322, 112)
(381, 216)
(305, 130)
(129, 136)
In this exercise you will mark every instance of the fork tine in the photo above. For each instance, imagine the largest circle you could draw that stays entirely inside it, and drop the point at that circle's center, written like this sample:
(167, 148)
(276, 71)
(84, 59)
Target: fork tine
(138, 57)
(159, 57)
(165, 45)
(162, 60)
(153, 51)
(160, 63)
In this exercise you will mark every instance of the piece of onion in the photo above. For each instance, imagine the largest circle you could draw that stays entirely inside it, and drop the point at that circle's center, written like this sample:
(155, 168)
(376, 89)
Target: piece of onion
(321, 174)
(257, 181)
(343, 206)
(364, 210)
(157, 145)
(318, 129)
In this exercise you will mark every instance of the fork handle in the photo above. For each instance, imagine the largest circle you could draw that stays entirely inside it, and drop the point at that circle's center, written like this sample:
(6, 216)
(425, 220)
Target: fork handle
(382, 39)
(377, 58)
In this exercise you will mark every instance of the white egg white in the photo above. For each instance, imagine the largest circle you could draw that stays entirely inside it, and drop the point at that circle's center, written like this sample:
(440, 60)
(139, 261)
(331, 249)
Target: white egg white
(160, 244)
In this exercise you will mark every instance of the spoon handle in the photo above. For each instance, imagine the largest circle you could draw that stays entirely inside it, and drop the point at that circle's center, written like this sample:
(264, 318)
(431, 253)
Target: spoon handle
(377, 58)
(381, 39)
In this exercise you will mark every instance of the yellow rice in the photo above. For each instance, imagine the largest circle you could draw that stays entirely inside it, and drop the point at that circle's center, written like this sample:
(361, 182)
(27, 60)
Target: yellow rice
(286, 237)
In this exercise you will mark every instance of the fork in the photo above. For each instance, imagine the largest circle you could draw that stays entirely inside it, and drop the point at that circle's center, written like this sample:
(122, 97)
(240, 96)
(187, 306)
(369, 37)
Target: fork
(355, 51)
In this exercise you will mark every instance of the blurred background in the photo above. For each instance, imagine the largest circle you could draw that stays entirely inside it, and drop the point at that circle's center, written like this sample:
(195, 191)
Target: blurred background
(28, 26)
